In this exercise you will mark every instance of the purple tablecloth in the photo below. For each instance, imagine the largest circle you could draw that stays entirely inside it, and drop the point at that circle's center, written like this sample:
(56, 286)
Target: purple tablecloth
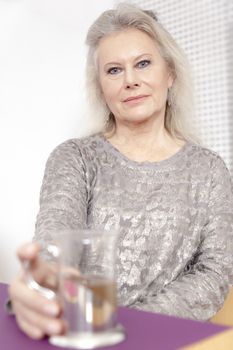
(144, 331)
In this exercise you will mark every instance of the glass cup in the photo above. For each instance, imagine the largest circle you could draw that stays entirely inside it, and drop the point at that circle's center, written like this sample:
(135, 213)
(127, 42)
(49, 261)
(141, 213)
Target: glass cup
(84, 264)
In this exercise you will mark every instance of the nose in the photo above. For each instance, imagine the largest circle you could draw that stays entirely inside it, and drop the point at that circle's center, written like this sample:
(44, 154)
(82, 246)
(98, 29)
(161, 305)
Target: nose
(131, 79)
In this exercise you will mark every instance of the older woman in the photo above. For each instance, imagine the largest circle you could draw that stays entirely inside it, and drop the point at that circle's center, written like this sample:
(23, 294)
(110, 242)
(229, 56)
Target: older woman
(172, 198)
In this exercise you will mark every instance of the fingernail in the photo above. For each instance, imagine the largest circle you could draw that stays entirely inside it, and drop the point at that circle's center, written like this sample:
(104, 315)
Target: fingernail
(51, 309)
(37, 333)
(53, 327)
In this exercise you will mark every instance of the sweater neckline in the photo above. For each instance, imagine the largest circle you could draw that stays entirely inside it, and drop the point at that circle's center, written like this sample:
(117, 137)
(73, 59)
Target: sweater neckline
(155, 164)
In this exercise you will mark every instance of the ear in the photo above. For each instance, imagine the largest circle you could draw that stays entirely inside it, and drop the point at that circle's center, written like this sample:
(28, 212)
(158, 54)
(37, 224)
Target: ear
(170, 80)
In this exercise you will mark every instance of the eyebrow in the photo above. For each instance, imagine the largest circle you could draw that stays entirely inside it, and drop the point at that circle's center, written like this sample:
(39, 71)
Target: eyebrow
(135, 59)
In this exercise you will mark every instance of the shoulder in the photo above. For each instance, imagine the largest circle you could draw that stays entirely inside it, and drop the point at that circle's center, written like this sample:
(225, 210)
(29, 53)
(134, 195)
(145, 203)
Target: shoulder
(204, 155)
(208, 162)
(75, 148)
(78, 143)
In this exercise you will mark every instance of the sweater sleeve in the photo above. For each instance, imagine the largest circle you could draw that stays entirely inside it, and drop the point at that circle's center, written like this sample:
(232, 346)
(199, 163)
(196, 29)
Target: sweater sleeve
(63, 196)
(199, 291)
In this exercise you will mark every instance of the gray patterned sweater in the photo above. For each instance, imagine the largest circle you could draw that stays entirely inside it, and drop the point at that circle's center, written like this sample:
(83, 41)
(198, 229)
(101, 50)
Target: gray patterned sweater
(175, 252)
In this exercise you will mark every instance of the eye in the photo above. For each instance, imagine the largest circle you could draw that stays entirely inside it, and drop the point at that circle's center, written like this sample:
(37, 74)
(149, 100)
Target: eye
(114, 70)
(143, 63)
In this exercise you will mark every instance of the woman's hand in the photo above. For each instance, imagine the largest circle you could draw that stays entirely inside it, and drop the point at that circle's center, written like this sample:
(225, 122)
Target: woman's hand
(35, 315)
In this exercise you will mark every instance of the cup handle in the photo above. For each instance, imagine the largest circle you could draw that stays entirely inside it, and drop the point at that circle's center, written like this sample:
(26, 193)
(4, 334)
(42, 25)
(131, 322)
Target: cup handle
(54, 252)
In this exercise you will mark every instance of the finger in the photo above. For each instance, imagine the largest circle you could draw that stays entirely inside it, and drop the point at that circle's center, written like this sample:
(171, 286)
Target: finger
(28, 251)
(31, 331)
(19, 292)
(46, 325)
(43, 272)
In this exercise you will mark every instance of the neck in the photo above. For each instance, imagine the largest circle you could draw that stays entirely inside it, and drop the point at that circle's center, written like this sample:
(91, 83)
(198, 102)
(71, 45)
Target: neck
(145, 142)
(149, 133)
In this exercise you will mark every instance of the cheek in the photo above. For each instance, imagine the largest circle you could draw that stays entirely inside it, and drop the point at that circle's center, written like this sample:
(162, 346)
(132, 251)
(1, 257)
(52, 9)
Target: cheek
(110, 91)
(160, 87)
(108, 97)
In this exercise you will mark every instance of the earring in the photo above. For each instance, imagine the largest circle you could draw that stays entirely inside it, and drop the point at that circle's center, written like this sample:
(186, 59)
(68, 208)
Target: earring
(169, 97)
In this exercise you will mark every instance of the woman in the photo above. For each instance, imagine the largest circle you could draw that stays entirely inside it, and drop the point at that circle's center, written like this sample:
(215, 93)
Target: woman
(171, 197)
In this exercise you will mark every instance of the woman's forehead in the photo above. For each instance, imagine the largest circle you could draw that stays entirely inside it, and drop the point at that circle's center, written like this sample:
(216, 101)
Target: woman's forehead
(129, 36)
(126, 44)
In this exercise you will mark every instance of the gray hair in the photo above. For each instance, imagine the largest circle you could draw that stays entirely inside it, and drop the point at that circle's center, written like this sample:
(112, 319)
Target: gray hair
(179, 109)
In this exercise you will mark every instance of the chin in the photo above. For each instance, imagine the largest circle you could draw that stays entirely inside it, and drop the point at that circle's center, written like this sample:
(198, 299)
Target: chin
(138, 118)
(137, 121)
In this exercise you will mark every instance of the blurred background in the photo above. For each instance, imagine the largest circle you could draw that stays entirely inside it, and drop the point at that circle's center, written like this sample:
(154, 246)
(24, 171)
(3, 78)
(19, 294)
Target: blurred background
(42, 59)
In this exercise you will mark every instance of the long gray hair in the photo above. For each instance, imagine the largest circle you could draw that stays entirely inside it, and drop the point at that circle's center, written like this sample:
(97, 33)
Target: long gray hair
(179, 108)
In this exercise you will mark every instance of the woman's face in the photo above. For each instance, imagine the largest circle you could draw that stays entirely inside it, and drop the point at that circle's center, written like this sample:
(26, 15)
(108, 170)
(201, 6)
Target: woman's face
(133, 76)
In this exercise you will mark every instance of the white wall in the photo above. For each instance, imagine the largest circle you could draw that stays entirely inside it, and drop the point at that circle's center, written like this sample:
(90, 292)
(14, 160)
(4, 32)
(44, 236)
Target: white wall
(42, 58)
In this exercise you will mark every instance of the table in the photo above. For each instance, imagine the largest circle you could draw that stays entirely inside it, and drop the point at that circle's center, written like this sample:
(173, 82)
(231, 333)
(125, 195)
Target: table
(145, 330)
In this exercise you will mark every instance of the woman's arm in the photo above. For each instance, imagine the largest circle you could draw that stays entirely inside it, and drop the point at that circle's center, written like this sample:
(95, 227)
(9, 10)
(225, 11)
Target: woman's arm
(200, 290)
(63, 204)
(64, 193)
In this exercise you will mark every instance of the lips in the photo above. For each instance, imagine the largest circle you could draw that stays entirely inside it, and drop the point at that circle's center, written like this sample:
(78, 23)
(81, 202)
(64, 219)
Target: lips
(135, 98)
